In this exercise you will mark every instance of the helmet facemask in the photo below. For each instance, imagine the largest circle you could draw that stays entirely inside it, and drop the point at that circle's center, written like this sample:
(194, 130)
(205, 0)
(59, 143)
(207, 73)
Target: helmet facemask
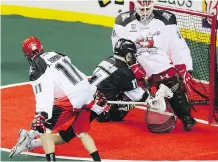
(129, 57)
(144, 9)
(126, 49)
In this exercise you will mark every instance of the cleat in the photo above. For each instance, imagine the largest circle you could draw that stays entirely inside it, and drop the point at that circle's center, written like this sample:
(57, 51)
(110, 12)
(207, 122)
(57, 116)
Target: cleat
(23, 143)
(188, 123)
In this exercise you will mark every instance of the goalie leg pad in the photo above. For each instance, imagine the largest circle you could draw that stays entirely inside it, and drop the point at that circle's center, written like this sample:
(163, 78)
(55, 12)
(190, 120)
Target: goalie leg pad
(179, 101)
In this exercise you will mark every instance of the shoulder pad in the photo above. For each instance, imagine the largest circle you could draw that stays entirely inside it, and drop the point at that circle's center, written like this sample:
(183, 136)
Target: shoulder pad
(166, 17)
(125, 18)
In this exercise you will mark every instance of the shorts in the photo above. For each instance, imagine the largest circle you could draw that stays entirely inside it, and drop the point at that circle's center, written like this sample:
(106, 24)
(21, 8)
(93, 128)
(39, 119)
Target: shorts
(60, 116)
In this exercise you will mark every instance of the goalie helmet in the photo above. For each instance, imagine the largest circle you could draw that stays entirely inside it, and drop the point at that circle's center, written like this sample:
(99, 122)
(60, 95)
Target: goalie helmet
(126, 49)
(31, 47)
(144, 8)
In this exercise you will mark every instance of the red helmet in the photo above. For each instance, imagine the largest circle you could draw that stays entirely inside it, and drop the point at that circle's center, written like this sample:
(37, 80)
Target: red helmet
(31, 47)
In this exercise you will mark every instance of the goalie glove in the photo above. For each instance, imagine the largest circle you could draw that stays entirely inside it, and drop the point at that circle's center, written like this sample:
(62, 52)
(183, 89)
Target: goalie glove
(158, 101)
(163, 91)
(187, 78)
(38, 123)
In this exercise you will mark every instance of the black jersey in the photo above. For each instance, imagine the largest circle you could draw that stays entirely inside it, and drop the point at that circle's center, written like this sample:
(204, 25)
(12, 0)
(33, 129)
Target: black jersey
(113, 77)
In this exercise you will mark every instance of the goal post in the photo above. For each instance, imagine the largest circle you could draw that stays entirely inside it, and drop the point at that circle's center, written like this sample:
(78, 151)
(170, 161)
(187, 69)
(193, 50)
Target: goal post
(202, 43)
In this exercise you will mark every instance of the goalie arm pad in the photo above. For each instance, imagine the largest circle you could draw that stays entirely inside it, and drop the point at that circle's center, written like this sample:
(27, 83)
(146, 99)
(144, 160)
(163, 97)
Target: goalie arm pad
(178, 48)
(138, 71)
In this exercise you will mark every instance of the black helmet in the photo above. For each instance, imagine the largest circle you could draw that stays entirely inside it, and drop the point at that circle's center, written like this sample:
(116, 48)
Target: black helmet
(124, 46)
(126, 49)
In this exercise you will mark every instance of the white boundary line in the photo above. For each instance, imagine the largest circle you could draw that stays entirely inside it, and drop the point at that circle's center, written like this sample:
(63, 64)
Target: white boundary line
(139, 107)
(104, 160)
(72, 158)
(14, 85)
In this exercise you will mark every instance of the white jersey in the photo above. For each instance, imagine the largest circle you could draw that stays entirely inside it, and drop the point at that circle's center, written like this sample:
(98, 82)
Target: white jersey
(159, 43)
(55, 78)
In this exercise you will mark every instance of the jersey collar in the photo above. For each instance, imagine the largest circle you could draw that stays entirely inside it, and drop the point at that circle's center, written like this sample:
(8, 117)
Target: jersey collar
(119, 58)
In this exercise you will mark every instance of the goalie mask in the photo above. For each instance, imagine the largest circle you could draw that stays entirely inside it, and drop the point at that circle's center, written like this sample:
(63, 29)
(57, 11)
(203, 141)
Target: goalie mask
(144, 9)
(31, 47)
(126, 49)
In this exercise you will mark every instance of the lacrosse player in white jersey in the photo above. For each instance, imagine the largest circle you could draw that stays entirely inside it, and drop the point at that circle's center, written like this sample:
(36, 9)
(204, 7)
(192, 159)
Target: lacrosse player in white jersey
(161, 51)
(109, 88)
(55, 80)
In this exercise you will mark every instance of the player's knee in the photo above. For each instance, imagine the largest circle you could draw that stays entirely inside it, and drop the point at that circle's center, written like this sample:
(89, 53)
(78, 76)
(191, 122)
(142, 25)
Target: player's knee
(82, 134)
(46, 136)
(67, 134)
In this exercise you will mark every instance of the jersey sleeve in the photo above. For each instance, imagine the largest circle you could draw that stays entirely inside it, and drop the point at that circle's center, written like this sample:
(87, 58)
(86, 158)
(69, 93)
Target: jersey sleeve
(179, 50)
(127, 81)
(117, 33)
(135, 94)
(44, 94)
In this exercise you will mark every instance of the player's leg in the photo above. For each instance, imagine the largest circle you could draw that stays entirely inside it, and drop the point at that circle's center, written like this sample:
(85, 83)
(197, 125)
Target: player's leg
(59, 117)
(90, 146)
(81, 125)
(27, 139)
(113, 114)
(179, 101)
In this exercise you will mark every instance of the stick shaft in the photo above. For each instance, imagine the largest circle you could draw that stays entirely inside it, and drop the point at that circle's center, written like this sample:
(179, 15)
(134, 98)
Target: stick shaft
(127, 103)
(144, 106)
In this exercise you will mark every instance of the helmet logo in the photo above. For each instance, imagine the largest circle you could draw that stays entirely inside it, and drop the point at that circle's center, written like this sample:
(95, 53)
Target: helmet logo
(33, 46)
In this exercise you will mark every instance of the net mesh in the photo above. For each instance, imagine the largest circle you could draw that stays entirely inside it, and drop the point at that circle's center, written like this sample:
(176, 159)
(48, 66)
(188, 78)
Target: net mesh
(160, 122)
(198, 39)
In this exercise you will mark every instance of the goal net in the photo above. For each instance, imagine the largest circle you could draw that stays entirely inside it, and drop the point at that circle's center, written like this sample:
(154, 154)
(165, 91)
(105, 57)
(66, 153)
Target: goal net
(199, 31)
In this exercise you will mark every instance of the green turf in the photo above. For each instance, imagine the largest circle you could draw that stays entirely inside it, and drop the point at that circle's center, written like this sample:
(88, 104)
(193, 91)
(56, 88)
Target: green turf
(85, 44)
(20, 157)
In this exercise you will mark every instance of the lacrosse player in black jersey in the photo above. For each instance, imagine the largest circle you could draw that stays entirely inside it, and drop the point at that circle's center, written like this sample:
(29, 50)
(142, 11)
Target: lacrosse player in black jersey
(115, 79)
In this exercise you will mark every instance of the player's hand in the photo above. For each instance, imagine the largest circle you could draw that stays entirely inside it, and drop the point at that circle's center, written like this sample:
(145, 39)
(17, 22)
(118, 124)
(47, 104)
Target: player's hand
(38, 123)
(100, 99)
(126, 107)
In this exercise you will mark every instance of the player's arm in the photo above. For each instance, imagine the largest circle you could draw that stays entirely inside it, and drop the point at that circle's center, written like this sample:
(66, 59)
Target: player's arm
(178, 48)
(137, 94)
(117, 33)
(131, 89)
(44, 94)
(119, 30)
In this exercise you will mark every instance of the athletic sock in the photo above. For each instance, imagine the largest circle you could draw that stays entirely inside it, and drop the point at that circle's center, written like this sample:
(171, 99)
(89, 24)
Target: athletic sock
(95, 156)
(50, 157)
